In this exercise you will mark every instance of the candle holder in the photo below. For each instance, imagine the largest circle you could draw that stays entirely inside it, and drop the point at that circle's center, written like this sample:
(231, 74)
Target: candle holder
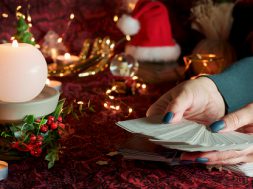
(201, 64)
(43, 104)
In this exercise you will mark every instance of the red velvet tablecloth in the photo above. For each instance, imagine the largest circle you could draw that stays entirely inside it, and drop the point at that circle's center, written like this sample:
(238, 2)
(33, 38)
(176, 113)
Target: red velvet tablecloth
(94, 135)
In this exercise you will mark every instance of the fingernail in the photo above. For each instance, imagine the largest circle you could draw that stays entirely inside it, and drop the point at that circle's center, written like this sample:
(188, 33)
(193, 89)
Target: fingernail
(201, 160)
(217, 125)
(186, 162)
(168, 116)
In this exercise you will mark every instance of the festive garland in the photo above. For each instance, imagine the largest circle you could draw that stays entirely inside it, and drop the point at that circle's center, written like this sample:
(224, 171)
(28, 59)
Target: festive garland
(34, 137)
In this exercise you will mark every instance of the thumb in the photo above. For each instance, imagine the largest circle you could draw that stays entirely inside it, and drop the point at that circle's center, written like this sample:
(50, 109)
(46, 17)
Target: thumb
(234, 120)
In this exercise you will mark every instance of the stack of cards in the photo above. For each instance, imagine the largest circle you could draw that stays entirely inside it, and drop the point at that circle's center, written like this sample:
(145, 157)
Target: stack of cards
(186, 135)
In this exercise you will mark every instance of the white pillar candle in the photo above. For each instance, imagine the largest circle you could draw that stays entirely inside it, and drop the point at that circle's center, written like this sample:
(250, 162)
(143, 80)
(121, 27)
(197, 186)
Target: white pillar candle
(23, 72)
(67, 59)
(54, 84)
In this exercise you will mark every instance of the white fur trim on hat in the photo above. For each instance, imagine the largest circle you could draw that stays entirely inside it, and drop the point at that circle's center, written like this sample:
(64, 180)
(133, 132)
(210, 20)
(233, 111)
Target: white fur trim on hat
(128, 25)
(156, 54)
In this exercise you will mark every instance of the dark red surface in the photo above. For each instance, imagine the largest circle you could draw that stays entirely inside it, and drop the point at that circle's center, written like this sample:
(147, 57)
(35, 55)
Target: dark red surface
(94, 136)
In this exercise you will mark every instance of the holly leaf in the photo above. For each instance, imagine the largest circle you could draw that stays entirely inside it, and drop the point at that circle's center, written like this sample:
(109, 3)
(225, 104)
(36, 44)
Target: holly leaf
(43, 122)
(58, 109)
(92, 109)
(27, 127)
(52, 156)
(29, 119)
(6, 134)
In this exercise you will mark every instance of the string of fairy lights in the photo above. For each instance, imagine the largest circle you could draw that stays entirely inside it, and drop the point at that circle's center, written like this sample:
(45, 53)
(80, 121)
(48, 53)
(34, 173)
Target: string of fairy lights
(28, 18)
(112, 102)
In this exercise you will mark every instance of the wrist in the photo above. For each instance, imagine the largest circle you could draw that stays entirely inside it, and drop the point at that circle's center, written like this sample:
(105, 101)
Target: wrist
(213, 92)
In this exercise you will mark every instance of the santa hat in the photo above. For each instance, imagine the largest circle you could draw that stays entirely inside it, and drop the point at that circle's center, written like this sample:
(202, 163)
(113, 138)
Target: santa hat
(150, 29)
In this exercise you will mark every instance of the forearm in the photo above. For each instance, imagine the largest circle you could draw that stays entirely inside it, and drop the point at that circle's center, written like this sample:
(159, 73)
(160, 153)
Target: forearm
(236, 84)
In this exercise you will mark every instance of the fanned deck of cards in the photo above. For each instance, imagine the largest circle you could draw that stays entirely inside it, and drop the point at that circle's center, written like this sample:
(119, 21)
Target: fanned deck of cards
(186, 135)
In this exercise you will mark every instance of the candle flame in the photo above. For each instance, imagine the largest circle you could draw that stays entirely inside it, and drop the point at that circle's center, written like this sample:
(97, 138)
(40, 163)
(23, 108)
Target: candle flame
(131, 6)
(128, 38)
(14, 43)
(47, 81)
(67, 56)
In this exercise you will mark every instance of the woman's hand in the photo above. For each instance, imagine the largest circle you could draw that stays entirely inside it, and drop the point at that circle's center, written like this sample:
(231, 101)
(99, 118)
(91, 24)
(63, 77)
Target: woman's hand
(240, 120)
(198, 100)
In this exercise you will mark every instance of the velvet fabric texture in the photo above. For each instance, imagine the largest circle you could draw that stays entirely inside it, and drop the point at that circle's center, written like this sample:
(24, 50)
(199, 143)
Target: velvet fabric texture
(95, 135)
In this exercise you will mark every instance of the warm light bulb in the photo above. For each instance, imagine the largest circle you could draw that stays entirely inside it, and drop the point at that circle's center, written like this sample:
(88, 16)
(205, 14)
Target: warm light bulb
(111, 97)
(67, 56)
(18, 7)
(72, 16)
(59, 40)
(112, 46)
(29, 18)
(5, 15)
(115, 18)
(131, 6)
(134, 77)
(14, 43)
(108, 41)
(114, 88)
(108, 91)
(80, 102)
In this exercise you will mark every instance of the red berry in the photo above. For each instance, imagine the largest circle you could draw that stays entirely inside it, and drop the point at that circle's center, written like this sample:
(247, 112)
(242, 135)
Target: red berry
(32, 152)
(36, 152)
(33, 138)
(40, 138)
(30, 147)
(50, 120)
(44, 128)
(39, 143)
(61, 125)
(38, 120)
(59, 119)
(60, 132)
(54, 126)
(15, 144)
(39, 150)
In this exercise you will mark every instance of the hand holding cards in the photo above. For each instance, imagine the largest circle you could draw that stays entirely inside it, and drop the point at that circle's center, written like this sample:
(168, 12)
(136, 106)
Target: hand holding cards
(186, 135)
